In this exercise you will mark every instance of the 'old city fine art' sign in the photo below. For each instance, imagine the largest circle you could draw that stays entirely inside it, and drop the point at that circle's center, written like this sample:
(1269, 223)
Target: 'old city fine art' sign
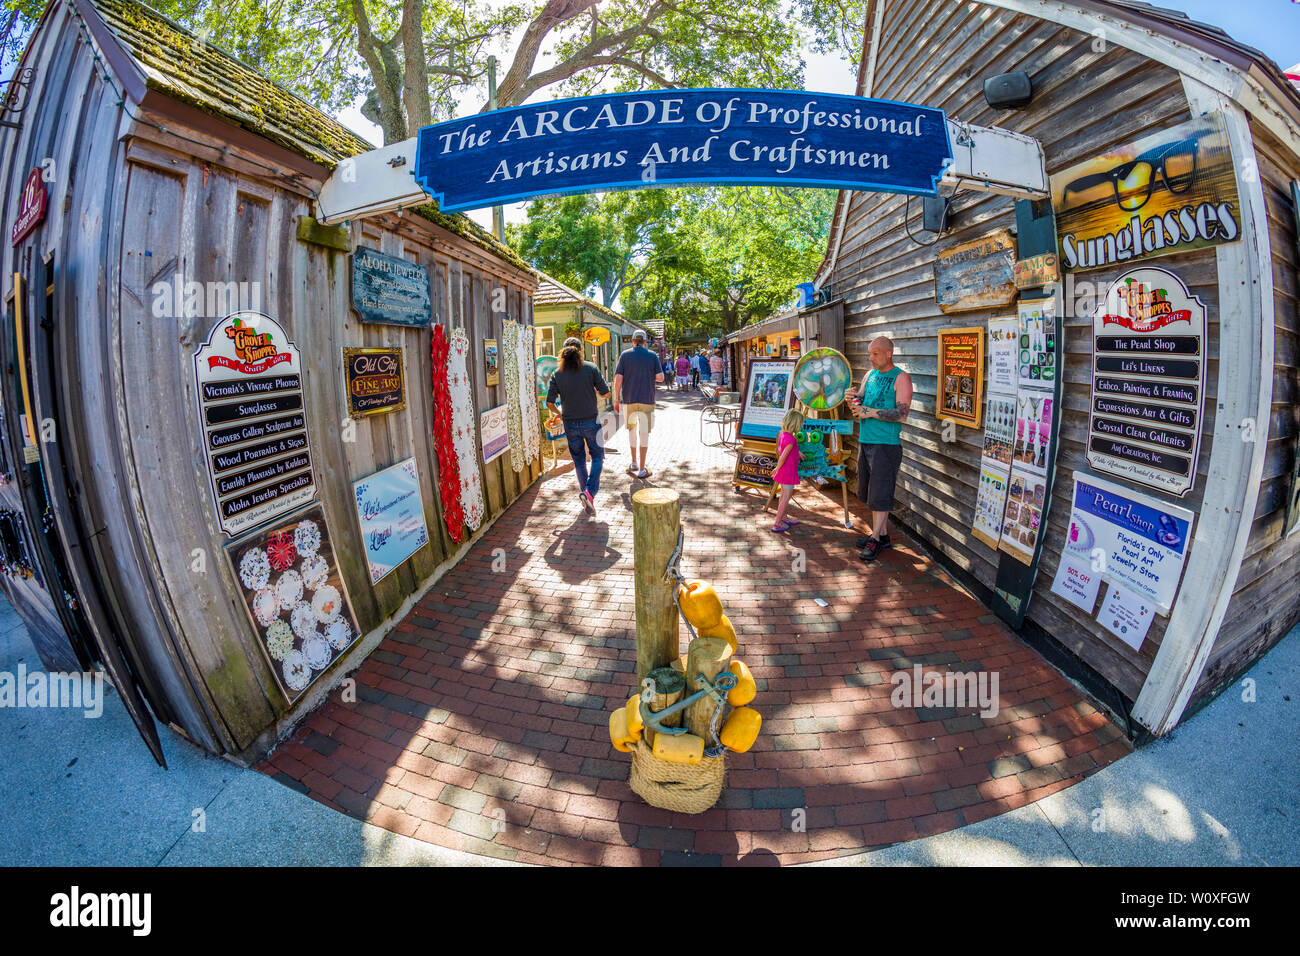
(251, 415)
(1148, 384)
(681, 137)
(390, 291)
(373, 380)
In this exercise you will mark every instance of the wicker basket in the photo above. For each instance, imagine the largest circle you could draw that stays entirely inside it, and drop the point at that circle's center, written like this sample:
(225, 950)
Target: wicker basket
(679, 787)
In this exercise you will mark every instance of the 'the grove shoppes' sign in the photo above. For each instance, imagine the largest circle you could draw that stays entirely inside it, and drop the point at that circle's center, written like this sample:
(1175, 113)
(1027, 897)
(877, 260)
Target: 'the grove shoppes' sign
(681, 137)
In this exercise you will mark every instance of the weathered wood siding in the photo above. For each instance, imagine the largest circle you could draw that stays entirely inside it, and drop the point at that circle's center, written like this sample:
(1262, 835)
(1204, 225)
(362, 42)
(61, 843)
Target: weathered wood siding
(1266, 599)
(1086, 99)
(132, 207)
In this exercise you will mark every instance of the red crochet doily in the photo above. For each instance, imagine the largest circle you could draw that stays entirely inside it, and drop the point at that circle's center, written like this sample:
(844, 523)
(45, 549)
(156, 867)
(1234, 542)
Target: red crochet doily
(280, 550)
(448, 464)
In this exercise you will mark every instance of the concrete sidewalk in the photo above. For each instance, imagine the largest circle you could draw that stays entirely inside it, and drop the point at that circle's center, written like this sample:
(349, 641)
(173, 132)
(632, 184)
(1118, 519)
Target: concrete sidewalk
(85, 792)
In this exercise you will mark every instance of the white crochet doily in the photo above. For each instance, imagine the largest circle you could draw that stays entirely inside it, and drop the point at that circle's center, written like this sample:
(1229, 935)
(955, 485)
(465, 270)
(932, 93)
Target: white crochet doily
(464, 428)
(510, 366)
(530, 422)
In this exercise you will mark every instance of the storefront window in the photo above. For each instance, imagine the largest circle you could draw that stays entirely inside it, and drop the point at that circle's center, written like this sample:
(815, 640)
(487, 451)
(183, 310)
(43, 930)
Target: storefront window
(544, 339)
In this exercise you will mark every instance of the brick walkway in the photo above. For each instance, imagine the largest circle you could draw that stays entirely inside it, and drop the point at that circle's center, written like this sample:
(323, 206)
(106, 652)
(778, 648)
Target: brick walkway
(480, 722)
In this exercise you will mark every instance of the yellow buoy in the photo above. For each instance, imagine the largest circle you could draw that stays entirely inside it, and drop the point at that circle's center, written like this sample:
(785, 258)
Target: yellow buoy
(746, 689)
(722, 629)
(633, 709)
(619, 735)
(683, 748)
(741, 729)
(700, 603)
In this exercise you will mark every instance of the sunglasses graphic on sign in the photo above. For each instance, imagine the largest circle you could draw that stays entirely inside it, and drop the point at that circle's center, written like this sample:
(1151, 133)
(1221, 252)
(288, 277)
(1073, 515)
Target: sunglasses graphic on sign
(1132, 182)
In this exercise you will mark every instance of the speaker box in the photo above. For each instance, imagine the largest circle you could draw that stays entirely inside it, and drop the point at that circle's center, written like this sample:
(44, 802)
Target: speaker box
(1008, 91)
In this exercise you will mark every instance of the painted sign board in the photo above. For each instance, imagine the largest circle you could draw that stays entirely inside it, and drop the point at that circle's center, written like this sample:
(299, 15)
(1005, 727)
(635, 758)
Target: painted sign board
(961, 376)
(754, 465)
(250, 404)
(391, 512)
(1135, 540)
(390, 291)
(373, 381)
(768, 396)
(1036, 271)
(977, 275)
(1171, 191)
(294, 594)
(1148, 394)
(683, 137)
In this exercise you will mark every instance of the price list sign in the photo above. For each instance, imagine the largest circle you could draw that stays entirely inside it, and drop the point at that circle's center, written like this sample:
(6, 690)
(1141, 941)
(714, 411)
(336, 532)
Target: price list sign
(249, 380)
(1148, 386)
(961, 375)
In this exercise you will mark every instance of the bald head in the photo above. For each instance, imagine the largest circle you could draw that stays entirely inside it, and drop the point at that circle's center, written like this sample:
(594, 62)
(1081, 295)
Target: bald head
(881, 352)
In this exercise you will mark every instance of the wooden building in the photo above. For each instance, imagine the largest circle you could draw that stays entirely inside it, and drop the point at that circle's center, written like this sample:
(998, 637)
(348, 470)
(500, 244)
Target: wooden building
(557, 307)
(164, 160)
(1103, 74)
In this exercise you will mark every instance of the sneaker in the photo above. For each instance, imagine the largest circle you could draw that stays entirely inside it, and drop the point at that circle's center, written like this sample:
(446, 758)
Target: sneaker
(643, 473)
(586, 502)
(862, 542)
(874, 547)
(631, 470)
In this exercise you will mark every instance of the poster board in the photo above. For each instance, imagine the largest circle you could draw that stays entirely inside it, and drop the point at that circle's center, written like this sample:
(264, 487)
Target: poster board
(961, 376)
(491, 363)
(391, 513)
(1148, 384)
(493, 432)
(251, 416)
(995, 468)
(295, 598)
(768, 396)
(373, 381)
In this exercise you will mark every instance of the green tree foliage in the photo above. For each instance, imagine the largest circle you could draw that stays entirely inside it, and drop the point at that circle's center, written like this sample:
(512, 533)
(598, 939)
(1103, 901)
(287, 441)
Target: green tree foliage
(607, 243)
(736, 257)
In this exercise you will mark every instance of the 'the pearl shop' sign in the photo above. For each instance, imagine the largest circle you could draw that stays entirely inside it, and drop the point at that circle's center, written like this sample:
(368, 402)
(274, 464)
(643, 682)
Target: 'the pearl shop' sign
(1148, 384)
(683, 137)
(253, 423)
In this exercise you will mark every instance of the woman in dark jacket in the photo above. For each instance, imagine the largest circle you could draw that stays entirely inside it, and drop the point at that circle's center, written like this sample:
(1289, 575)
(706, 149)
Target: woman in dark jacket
(576, 384)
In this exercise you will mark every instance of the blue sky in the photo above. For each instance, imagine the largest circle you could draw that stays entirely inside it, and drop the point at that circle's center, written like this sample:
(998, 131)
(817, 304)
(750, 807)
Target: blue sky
(1270, 26)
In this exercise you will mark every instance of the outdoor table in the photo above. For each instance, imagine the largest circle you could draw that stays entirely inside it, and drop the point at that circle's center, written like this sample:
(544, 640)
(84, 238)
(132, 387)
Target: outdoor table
(724, 417)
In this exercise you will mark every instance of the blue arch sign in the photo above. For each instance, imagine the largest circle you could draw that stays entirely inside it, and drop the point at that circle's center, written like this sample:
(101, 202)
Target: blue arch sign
(680, 138)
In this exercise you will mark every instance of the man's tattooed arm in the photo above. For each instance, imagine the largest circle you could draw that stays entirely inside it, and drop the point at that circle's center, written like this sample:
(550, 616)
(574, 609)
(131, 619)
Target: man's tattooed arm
(896, 414)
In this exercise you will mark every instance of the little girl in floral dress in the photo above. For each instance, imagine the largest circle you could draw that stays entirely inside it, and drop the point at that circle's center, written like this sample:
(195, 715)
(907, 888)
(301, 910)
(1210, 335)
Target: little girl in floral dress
(786, 472)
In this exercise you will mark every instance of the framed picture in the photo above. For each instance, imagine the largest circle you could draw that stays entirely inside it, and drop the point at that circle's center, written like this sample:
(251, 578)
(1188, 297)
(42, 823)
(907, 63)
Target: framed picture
(373, 380)
(769, 394)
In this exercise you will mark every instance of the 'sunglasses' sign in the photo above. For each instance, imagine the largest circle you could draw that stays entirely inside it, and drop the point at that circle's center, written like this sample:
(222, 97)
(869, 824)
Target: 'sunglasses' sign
(1169, 192)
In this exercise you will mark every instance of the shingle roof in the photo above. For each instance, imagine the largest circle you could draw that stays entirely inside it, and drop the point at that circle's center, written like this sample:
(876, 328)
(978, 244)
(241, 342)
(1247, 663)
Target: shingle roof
(554, 292)
(176, 63)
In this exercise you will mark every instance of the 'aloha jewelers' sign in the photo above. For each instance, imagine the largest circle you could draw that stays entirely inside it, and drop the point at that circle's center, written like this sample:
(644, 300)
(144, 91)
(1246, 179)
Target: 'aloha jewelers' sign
(390, 291)
(680, 137)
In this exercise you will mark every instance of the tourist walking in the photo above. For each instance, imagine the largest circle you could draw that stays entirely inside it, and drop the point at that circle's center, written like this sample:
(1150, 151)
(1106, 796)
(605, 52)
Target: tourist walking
(634, 393)
(881, 403)
(683, 365)
(575, 385)
(715, 368)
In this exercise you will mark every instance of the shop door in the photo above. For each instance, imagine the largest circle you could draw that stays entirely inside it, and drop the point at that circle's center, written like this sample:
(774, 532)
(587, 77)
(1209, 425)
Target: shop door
(51, 491)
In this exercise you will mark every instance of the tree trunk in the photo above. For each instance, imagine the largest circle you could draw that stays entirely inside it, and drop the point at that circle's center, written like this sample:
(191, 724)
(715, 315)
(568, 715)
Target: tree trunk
(386, 74)
(415, 88)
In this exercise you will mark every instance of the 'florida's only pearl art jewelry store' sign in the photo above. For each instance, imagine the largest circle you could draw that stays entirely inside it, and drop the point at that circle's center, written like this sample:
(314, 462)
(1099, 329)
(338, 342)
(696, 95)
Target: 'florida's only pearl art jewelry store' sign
(254, 427)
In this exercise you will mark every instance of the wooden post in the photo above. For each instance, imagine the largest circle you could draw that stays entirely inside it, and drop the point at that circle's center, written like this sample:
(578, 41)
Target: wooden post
(671, 686)
(708, 656)
(656, 520)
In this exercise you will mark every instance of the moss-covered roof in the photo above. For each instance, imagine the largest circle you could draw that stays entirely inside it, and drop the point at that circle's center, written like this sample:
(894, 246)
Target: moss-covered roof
(177, 64)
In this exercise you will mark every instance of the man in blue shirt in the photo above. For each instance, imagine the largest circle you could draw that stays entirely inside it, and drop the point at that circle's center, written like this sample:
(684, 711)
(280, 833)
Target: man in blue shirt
(634, 395)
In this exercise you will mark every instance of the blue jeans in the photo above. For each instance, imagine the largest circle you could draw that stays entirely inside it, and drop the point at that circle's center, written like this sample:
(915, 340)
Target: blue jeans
(584, 437)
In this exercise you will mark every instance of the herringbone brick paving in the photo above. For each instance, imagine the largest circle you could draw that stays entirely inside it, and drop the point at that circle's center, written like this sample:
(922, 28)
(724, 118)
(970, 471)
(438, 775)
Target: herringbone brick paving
(480, 722)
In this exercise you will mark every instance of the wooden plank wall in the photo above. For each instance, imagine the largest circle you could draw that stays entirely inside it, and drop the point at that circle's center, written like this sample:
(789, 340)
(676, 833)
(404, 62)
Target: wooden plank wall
(1266, 602)
(1086, 99)
(127, 214)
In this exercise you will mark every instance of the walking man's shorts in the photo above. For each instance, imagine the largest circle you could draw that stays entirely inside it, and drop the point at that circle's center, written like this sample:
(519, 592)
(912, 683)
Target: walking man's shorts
(640, 417)
(877, 475)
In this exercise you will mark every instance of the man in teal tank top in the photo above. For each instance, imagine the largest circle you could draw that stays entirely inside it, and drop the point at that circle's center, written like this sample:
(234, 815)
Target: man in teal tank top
(881, 404)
